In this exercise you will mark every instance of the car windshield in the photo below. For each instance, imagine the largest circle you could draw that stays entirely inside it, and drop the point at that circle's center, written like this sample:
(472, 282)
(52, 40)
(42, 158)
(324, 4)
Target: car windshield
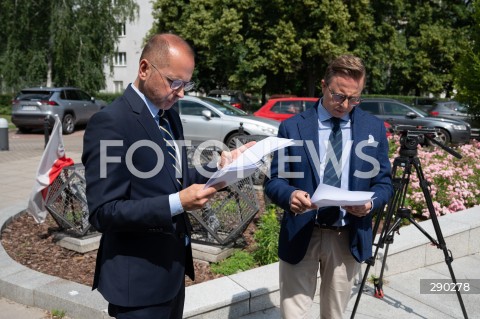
(225, 108)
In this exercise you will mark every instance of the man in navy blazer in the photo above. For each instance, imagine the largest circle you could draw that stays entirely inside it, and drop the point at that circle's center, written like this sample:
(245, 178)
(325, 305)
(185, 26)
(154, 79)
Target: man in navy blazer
(309, 241)
(138, 192)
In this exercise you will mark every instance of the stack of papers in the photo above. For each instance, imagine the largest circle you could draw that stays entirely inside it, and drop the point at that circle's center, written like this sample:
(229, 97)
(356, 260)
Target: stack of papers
(248, 162)
(326, 195)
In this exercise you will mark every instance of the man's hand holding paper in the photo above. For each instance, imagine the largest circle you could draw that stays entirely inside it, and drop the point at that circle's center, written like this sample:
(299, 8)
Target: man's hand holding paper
(354, 202)
(239, 165)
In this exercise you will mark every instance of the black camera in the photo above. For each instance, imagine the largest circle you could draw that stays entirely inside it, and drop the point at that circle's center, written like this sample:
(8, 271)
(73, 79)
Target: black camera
(411, 136)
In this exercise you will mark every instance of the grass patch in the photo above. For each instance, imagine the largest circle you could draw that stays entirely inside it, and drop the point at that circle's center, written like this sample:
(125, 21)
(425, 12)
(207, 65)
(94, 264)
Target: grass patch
(238, 262)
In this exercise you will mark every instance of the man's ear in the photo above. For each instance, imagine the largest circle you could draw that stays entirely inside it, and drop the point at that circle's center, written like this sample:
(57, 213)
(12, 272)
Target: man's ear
(143, 69)
(324, 85)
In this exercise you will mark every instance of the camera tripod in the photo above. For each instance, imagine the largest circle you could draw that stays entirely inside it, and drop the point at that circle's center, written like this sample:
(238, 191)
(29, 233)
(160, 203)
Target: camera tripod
(407, 161)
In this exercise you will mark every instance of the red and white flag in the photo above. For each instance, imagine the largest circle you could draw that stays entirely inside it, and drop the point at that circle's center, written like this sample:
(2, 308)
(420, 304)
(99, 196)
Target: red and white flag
(51, 165)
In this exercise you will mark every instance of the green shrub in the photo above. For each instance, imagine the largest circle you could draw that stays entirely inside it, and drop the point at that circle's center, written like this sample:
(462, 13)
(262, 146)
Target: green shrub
(266, 237)
(58, 314)
(5, 110)
(239, 261)
(107, 97)
(6, 100)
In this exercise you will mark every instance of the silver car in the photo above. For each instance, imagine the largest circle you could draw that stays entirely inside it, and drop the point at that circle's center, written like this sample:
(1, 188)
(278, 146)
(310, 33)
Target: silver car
(73, 106)
(397, 113)
(205, 119)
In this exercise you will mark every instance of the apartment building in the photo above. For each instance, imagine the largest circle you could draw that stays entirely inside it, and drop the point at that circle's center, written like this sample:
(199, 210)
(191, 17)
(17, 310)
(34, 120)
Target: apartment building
(129, 49)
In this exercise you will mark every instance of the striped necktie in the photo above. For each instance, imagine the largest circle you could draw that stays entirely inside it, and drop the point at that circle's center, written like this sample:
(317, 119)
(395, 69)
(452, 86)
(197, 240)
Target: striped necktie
(170, 158)
(329, 215)
(334, 150)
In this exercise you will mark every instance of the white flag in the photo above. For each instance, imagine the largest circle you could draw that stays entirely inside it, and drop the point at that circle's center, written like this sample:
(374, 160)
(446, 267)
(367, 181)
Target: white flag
(51, 165)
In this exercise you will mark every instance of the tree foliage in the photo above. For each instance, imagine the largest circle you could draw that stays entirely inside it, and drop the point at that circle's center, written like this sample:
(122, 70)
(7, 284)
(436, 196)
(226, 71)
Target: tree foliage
(280, 46)
(66, 42)
(468, 68)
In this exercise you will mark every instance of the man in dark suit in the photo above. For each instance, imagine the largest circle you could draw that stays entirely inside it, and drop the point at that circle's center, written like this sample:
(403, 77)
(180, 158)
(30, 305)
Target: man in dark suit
(342, 146)
(139, 187)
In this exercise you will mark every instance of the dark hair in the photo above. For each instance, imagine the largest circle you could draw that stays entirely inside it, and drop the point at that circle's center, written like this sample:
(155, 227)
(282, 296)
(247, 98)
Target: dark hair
(346, 65)
(158, 48)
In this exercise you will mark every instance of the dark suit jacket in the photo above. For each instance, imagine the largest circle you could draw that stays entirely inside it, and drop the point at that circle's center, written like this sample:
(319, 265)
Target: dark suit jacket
(142, 259)
(296, 231)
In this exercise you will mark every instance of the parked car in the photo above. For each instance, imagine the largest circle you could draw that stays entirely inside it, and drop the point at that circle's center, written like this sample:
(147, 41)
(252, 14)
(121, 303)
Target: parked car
(283, 108)
(397, 113)
(235, 98)
(457, 111)
(423, 103)
(72, 105)
(205, 118)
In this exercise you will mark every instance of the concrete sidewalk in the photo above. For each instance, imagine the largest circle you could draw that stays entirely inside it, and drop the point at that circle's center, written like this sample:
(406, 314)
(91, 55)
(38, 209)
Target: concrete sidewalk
(253, 294)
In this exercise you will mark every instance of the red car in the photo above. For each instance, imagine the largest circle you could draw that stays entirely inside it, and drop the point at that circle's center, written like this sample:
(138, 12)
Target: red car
(282, 108)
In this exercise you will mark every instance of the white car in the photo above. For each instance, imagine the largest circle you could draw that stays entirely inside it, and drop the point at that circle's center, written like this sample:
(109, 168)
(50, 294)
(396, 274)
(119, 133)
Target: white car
(206, 119)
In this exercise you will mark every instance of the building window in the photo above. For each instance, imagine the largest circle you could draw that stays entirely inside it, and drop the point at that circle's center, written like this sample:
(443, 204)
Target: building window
(122, 29)
(120, 59)
(118, 86)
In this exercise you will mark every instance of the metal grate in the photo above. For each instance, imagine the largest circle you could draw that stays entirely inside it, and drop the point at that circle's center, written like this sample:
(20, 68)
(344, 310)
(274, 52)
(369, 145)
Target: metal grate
(221, 221)
(66, 201)
(228, 213)
(225, 217)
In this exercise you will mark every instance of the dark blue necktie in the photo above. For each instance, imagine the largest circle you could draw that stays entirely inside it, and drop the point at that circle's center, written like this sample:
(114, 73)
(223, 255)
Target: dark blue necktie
(329, 215)
(334, 150)
(171, 156)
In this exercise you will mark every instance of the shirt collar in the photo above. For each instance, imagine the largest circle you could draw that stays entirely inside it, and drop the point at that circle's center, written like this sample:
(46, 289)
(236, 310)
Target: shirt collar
(151, 107)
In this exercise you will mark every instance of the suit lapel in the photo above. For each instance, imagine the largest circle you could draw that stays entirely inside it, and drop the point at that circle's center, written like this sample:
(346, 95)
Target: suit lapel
(359, 133)
(308, 130)
(151, 128)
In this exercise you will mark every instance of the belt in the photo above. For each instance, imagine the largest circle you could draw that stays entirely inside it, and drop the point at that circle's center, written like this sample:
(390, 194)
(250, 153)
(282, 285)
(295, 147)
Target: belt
(334, 228)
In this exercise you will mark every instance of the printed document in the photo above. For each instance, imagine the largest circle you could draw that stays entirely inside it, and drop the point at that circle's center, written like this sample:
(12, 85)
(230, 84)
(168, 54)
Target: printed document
(248, 162)
(326, 195)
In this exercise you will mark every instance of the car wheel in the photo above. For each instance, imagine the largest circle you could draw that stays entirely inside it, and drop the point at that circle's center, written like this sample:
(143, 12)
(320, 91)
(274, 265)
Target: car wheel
(233, 140)
(68, 124)
(442, 136)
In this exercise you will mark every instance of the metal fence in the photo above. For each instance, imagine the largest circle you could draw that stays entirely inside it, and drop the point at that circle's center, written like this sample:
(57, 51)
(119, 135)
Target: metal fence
(220, 222)
(67, 203)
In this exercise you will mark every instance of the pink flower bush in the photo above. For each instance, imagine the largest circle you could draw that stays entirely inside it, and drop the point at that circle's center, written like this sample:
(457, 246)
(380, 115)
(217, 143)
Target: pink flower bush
(454, 184)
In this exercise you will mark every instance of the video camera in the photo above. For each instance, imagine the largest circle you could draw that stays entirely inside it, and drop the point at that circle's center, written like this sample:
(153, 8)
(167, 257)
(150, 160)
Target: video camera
(411, 136)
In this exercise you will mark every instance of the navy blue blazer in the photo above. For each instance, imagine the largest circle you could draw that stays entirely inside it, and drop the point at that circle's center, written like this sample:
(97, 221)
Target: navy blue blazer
(142, 258)
(296, 231)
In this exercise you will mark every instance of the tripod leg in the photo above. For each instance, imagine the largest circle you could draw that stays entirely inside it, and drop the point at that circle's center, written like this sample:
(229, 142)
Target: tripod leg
(378, 282)
(398, 198)
(370, 262)
(441, 244)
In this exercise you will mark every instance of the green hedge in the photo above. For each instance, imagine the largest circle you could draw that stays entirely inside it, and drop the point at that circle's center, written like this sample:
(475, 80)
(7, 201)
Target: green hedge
(6, 100)
(5, 110)
(107, 97)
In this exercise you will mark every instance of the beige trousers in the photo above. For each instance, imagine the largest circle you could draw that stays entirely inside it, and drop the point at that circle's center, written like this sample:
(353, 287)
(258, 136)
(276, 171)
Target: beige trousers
(330, 250)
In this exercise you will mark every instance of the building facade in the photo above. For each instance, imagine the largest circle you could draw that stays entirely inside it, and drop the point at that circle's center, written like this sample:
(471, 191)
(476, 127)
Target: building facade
(129, 49)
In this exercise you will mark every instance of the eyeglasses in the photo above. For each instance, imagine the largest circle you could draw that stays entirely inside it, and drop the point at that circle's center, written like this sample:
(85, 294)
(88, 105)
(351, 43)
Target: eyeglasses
(176, 84)
(340, 98)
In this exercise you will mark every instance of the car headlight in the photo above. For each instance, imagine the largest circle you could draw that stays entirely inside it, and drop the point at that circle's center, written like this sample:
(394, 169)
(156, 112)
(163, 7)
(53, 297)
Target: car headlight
(460, 127)
(269, 130)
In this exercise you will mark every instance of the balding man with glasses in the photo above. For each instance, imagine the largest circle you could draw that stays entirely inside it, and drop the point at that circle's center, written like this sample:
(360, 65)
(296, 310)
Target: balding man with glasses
(344, 147)
(139, 187)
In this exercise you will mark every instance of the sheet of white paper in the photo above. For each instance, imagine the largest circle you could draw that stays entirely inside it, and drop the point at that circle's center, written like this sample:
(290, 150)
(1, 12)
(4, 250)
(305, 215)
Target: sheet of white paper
(254, 154)
(326, 195)
(246, 164)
